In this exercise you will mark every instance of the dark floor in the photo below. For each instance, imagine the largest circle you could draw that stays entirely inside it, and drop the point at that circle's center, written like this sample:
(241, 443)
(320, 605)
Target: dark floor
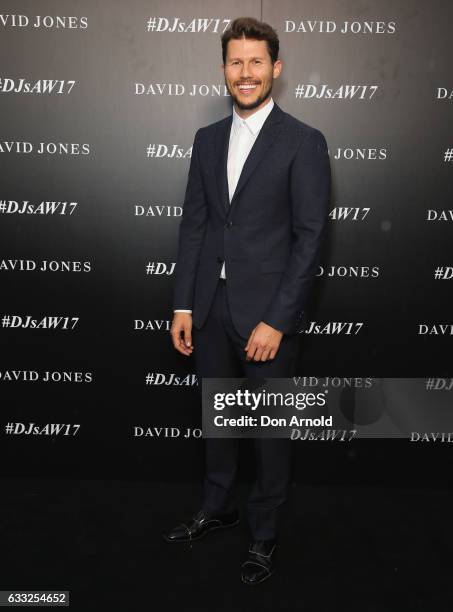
(348, 548)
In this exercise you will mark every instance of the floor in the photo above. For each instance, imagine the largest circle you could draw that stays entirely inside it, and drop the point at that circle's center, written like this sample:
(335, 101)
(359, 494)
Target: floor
(369, 549)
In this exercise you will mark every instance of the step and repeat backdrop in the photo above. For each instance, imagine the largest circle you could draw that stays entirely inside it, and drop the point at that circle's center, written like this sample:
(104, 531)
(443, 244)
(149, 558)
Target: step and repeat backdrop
(99, 105)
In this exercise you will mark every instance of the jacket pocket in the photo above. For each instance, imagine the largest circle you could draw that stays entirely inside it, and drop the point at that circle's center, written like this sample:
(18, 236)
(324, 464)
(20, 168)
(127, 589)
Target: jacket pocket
(273, 265)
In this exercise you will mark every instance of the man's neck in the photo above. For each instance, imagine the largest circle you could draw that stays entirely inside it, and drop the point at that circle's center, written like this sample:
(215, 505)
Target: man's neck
(244, 113)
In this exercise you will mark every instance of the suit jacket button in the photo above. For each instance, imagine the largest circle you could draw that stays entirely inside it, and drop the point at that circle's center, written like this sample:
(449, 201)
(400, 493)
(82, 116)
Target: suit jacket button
(228, 224)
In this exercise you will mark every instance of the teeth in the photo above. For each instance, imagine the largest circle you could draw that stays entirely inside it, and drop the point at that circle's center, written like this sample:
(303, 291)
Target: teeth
(247, 86)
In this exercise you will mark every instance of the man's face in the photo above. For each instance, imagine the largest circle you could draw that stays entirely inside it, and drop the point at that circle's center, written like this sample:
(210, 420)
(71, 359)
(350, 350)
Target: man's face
(249, 72)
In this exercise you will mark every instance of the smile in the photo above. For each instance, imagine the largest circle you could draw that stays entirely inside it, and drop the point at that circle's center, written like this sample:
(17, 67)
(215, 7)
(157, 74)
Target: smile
(248, 87)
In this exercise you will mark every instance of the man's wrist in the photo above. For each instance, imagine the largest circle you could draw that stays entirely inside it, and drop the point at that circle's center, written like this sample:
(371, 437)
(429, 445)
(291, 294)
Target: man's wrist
(273, 327)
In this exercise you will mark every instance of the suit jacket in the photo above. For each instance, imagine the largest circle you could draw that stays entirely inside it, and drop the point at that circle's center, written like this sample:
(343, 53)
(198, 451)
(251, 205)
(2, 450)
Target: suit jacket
(271, 233)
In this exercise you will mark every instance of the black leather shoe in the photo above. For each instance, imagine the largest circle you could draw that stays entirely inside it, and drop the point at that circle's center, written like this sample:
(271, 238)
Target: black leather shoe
(200, 525)
(260, 563)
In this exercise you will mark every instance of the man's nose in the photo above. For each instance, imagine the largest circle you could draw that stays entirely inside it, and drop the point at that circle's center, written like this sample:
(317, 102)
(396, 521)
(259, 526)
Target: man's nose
(245, 72)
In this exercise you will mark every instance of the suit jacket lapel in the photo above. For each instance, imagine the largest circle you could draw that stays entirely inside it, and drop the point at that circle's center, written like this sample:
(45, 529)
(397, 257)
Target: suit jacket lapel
(271, 127)
(222, 139)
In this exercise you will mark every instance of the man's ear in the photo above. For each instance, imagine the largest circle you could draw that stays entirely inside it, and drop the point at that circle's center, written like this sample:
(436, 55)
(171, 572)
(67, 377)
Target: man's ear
(277, 68)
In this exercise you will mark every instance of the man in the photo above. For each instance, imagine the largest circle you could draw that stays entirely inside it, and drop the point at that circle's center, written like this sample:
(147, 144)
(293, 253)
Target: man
(254, 217)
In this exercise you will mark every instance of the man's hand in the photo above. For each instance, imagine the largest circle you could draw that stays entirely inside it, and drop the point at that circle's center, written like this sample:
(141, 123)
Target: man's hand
(181, 332)
(263, 343)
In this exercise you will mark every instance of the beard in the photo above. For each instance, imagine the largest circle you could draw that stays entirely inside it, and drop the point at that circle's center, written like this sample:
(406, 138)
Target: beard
(255, 103)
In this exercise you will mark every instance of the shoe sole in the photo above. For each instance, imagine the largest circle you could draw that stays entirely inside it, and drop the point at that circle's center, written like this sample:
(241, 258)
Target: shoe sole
(255, 583)
(170, 541)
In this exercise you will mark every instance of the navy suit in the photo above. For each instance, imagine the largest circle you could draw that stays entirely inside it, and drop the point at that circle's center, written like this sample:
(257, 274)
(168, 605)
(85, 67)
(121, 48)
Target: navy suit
(270, 237)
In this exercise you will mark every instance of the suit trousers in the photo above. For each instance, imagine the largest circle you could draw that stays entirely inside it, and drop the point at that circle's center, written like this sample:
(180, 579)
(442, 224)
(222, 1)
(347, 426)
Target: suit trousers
(219, 353)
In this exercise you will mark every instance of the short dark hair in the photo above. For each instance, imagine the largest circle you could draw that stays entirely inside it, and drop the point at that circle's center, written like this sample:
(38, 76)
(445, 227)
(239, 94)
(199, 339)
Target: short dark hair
(249, 27)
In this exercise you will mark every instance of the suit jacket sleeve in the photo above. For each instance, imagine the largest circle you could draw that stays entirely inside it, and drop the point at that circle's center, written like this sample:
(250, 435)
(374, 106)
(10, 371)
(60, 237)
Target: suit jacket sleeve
(191, 233)
(310, 190)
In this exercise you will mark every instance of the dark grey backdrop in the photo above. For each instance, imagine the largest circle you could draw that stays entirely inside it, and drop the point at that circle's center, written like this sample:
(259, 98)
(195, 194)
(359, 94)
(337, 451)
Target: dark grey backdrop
(387, 240)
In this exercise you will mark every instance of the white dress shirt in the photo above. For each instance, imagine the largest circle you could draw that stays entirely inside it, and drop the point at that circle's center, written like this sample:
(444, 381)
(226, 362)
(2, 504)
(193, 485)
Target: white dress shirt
(243, 134)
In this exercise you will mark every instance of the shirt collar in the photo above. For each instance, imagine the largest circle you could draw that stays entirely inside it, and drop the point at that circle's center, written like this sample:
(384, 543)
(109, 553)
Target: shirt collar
(255, 121)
